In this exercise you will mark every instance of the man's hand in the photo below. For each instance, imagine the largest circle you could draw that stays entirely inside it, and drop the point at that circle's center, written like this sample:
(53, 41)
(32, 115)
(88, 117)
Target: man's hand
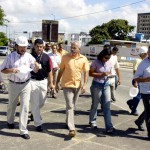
(83, 89)
(15, 70)
(119, 81)
(57, 88)
(135, 84)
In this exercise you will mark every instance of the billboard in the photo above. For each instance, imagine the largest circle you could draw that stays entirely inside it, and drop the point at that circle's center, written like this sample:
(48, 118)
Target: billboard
(50, 30)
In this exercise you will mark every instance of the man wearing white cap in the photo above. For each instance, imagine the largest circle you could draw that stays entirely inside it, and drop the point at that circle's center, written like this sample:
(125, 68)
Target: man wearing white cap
(133, 103)
(142, 76)
(19, 85)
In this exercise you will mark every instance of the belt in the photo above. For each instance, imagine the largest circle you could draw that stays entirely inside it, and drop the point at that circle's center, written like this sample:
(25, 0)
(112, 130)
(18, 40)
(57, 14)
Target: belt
(19, 82)
(38, 78)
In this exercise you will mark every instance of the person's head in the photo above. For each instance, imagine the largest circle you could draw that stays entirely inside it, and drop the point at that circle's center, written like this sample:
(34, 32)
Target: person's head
(75, 48)
(54, 48)
(114, 50)
(143, 51)
(60, 45)
(104, 55)
(38, 46)
(22, 44)
(47, 47)
(107, 46)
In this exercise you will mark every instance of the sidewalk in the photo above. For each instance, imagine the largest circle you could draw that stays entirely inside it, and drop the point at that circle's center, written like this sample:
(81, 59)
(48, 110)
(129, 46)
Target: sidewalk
(54, 137)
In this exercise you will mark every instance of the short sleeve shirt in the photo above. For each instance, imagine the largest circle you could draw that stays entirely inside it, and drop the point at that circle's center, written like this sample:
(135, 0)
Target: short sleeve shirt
(73, 68)
(100, 67)
(15, 60)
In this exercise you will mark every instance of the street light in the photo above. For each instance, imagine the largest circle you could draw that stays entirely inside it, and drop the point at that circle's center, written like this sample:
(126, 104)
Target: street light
(53, 16)
(6, 25)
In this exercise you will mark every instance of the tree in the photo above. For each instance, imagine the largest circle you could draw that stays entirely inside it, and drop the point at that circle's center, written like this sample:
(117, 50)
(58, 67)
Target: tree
(114, 29)
(2, 15)
(3, 39)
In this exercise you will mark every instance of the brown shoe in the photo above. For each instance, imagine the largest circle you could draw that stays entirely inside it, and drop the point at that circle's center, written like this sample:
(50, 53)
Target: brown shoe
(72, 133)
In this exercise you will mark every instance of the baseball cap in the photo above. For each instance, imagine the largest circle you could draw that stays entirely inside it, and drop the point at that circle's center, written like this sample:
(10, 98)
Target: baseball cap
(143, 49)
(22, 41)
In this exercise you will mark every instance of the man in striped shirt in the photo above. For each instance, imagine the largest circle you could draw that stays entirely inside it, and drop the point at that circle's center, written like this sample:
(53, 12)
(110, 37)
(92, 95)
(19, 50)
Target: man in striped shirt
(19, 84)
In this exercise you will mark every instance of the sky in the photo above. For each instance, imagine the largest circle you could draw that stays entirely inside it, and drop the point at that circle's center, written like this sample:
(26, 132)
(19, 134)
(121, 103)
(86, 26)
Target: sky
(74, 16)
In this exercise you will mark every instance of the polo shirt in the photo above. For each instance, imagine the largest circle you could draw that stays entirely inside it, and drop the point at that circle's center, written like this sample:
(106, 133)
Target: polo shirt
(44, 60)
(101, 67)
(143, 71)
(73, 67)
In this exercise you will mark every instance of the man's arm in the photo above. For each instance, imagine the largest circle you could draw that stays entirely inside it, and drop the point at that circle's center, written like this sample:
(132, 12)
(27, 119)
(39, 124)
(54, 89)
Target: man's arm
(142, 79)
(118, 74)
(86, 75)
(11, 70)
(58, 79)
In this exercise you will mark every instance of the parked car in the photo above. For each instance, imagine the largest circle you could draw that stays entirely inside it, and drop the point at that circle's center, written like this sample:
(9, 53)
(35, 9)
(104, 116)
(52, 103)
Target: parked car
(4, 50)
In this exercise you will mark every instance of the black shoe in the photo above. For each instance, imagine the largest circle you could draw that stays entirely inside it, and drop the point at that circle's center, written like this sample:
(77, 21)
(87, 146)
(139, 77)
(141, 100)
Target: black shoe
(140, 127)
(39, 128)
(25, 136)
(111, 130)
(113, 99)
(134, 113)
(10, 126)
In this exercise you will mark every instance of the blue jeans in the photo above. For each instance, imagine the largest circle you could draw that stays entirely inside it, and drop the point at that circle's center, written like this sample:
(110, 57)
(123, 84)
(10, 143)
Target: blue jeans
(100, 94)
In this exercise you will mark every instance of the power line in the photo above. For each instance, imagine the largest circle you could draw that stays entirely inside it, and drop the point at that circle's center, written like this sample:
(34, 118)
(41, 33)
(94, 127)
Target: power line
(88, 13)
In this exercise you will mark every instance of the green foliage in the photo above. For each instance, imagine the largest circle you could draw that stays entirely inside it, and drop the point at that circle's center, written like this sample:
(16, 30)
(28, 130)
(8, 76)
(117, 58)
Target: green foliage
(3, 39)
(2, 15)
(114, 29)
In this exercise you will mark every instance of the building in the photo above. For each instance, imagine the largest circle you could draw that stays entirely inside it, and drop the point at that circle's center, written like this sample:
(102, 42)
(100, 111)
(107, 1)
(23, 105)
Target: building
(82, 37)
(143, 24)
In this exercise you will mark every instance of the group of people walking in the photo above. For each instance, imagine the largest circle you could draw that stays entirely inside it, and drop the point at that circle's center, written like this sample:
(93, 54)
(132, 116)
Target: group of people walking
(49, 68)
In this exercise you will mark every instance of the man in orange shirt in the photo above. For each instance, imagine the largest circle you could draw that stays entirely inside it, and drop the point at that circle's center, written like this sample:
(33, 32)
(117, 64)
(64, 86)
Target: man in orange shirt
(71, 67)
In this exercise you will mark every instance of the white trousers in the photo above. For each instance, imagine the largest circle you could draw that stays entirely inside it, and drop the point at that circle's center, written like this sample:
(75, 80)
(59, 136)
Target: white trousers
(38, 98)
(22, 90)
(71, 96)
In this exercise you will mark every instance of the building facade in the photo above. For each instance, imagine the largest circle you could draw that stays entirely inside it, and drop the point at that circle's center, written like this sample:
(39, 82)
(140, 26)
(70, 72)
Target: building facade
(143, 24)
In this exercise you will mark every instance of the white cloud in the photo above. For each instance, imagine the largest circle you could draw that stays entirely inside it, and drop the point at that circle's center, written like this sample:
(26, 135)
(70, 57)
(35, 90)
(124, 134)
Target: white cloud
(36, 10)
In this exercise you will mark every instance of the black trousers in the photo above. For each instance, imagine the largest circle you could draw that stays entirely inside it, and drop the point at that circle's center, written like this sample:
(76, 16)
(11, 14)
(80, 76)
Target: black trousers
(146, 102)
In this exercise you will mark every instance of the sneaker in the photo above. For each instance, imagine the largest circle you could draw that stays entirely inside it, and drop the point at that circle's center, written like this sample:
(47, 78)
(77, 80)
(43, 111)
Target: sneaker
(110, 131)
(39, 128)
(93, 126)
(140, 127)
(10, 126)
(25, 136)
(72, 133)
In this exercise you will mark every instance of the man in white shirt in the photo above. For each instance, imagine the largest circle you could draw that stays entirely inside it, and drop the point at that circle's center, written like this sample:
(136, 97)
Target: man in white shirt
(19, 85)
(114, 71)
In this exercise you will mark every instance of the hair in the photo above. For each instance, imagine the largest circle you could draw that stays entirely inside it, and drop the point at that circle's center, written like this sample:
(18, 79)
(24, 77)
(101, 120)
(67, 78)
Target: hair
(38, 41)
(104, 52)
(115, 48)
(76, 43)
(107, 46)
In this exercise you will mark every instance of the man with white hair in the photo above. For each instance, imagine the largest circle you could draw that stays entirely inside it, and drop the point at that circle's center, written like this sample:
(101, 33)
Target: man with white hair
(19, 85)
(71, 67)
(133, 103)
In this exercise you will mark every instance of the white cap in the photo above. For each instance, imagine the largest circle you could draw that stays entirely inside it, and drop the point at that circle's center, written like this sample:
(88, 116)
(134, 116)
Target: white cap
(143, 49)
(22, 41)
